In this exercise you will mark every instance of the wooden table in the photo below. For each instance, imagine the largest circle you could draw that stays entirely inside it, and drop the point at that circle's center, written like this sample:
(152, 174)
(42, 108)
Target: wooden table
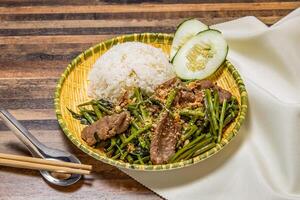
(38, 38)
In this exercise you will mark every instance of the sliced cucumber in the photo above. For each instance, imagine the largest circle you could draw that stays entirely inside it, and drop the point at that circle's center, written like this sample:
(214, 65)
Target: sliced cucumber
(185, 31)
(201, 56)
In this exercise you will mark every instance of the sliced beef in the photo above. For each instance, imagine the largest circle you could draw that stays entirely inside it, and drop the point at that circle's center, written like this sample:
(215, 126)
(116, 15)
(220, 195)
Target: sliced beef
(164, 139)
(106, 127)
(162, 91)
(188, 98)
(207, 84)
(201, 85)
(223, 94)
(169, 83)
(190, 95)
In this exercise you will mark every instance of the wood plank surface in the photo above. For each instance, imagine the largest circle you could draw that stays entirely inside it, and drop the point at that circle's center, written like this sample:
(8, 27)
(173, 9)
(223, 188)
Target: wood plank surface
(38, 38)
(140, 8)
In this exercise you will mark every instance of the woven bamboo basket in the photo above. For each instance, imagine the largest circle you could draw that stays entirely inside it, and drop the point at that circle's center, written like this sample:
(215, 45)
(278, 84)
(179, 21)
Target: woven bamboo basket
(72, 86)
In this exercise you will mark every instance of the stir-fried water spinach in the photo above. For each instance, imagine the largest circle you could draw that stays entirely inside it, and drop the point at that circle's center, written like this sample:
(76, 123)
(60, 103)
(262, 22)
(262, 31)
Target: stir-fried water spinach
(178, 121)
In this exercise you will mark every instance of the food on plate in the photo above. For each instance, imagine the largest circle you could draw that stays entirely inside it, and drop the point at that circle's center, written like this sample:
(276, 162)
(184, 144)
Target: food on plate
(177, 121)
(164, 138)
(145, 110)
(106, 127)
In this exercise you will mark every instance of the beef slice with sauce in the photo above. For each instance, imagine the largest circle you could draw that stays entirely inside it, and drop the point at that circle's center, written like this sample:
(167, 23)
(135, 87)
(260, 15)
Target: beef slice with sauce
(106, 127)
(223, 94)
(188, 98)
(201, 85)
(207, 84)
(164, 139)
(185, 96)
(162, 91)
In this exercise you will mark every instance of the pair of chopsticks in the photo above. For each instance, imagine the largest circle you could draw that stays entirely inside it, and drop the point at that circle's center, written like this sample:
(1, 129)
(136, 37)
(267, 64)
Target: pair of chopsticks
(43, 164)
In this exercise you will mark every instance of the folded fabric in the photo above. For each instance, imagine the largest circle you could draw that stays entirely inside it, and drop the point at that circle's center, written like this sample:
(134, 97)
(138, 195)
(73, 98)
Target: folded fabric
(263, 161)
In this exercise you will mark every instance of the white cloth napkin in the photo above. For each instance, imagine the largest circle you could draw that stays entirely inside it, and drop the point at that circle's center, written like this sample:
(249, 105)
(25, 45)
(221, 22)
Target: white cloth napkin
(263, 161)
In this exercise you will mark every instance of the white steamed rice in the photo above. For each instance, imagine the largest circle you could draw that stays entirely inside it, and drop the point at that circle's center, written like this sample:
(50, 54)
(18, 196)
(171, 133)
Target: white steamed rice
(128, 65)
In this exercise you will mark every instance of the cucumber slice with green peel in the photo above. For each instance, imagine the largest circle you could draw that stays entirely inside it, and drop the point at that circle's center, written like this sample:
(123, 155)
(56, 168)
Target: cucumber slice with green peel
(201, 56)
(185, 31)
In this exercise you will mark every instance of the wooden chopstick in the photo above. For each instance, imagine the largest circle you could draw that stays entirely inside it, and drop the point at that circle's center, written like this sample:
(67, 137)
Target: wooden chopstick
(36, 166)
(45, 161)
(40, 164)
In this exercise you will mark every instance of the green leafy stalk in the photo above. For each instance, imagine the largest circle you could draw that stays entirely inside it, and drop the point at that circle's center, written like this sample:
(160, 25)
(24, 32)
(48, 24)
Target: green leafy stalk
(110, 153)
(107, 104)
(229, 118)
(129, 158)
(91, 112)
(87, 116)
(124, 155)
(142, 142)
(155, 102)
(221, 120)
(75, 115)
(135, 134)
(142, 160)
(186, 147)
(113, 142)
(170, 98)
(135, 125)
(132, 107)
(204, 149)
(192, 113)
(189, 133)
(140, 103)
(145, 113)
(216, 103)
(86, 103)
(198, 132)
(208, 139)
(193, 120)
(97, 111)
(104, 109)
(211, 111)
(119, 149)
(148, 142)
(123, 137)
(202, 127)
(137, 115)
(116, 156)
(137, 94)
(190, 152)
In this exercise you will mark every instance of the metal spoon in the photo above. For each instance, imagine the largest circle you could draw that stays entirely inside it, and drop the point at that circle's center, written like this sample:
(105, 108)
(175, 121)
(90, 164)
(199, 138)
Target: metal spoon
(37, 149)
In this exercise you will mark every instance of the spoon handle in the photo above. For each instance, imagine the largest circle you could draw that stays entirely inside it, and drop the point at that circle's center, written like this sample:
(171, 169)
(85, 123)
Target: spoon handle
(35, 147)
